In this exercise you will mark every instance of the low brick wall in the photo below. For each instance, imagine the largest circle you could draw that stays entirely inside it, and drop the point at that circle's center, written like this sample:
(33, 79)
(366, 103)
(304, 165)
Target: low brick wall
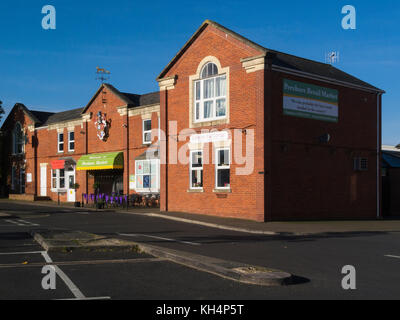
(26, 197)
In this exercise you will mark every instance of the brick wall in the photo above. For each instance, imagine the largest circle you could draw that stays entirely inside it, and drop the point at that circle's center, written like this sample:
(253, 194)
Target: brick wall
(246, 91)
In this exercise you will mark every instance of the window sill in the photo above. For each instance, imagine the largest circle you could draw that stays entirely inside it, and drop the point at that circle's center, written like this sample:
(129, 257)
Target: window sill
(195, 190)
(222, 190)
(210, 123)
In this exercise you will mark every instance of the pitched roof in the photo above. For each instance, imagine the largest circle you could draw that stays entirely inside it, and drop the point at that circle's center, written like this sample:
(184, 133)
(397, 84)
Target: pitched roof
(131, 99)
(63, 116)
(279, 59)
(144, 99)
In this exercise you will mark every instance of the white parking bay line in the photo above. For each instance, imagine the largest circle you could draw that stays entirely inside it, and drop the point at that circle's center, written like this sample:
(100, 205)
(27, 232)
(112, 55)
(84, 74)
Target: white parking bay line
(74, 289)
(13, 253)
(159, 238)
(22, 223)
(28, 223)
(391, 256)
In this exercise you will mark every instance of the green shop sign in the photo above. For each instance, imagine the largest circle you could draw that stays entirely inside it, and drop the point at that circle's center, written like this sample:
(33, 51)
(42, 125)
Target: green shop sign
(309, 101)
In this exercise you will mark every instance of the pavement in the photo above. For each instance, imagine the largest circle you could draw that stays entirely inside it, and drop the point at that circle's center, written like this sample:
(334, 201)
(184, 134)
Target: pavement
(295, 228)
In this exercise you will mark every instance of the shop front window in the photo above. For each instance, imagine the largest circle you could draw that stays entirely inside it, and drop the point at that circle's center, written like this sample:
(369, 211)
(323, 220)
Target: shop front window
(57, 179)
(147, 175)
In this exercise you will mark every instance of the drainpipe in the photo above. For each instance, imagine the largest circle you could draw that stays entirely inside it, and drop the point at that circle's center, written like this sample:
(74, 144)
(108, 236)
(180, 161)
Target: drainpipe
(378, 158)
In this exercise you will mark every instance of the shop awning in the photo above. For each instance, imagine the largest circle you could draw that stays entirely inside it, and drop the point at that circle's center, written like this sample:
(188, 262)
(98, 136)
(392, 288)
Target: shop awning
(101, 161)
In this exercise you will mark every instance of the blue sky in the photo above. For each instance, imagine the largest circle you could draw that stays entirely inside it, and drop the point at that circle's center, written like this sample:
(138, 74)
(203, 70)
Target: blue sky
(54, 70)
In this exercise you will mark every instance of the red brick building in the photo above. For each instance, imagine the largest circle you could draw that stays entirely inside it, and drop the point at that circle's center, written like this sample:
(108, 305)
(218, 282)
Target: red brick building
(316, 129)
(249, 133)
(100, 143)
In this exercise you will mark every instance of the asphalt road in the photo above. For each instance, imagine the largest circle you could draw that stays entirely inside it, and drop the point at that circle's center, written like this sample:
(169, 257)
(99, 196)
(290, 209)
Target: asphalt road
(317, 260)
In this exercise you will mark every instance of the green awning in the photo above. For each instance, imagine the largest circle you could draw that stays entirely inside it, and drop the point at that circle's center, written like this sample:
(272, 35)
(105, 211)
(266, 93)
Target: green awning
(101, 161)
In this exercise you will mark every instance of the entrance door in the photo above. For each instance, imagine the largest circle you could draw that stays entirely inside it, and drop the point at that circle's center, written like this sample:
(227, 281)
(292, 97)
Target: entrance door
(70, 176)
(43, 181)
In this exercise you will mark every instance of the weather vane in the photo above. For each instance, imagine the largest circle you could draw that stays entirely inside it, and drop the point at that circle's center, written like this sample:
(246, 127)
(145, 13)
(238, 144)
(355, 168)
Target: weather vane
(102, 74)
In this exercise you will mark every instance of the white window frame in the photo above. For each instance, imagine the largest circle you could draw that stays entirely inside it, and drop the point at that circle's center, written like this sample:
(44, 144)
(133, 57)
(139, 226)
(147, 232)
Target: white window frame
(71, 141)
(58, 178)
(60, 142)
(146, 131)
(191, 169)
(214, 99)
(155, 188)
(217, 167)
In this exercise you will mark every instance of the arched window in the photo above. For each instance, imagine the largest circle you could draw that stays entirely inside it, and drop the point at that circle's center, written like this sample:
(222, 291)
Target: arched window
(18, 139)
(210, 94)
(209, 70)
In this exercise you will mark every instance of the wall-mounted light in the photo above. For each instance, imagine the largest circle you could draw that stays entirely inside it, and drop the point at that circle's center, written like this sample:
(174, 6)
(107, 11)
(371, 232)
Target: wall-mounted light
(325, 138)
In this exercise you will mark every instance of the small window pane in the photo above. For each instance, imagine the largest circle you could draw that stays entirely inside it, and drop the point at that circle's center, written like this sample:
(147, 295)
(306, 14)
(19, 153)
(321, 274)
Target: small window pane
(208, 109)
(153, 167)
(71, 136)
(147, 137)
(221, 86)
(223, 158)
(71, 182)
(197, 90)
(197, 110)
(197, 178)
(139, 167)
(221, 108)
(60, 147)
(71, 146)
(146, 181)
(146, 167)
(197, 160)
(60, 137)
(223, 178)
(139, 182)
(209, 88)
(147, 125)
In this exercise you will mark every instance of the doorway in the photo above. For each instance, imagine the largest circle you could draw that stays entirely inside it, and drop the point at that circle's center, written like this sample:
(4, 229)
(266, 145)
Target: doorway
(70, 176)
(43, 181)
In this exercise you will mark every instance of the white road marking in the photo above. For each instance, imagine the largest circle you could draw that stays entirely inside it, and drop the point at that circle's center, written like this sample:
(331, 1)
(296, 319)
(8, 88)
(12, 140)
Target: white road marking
(74, 289)
(159, 238)
(93, 298)
(28, 223)
(12, 253)
(22, 223)
(390, 256)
